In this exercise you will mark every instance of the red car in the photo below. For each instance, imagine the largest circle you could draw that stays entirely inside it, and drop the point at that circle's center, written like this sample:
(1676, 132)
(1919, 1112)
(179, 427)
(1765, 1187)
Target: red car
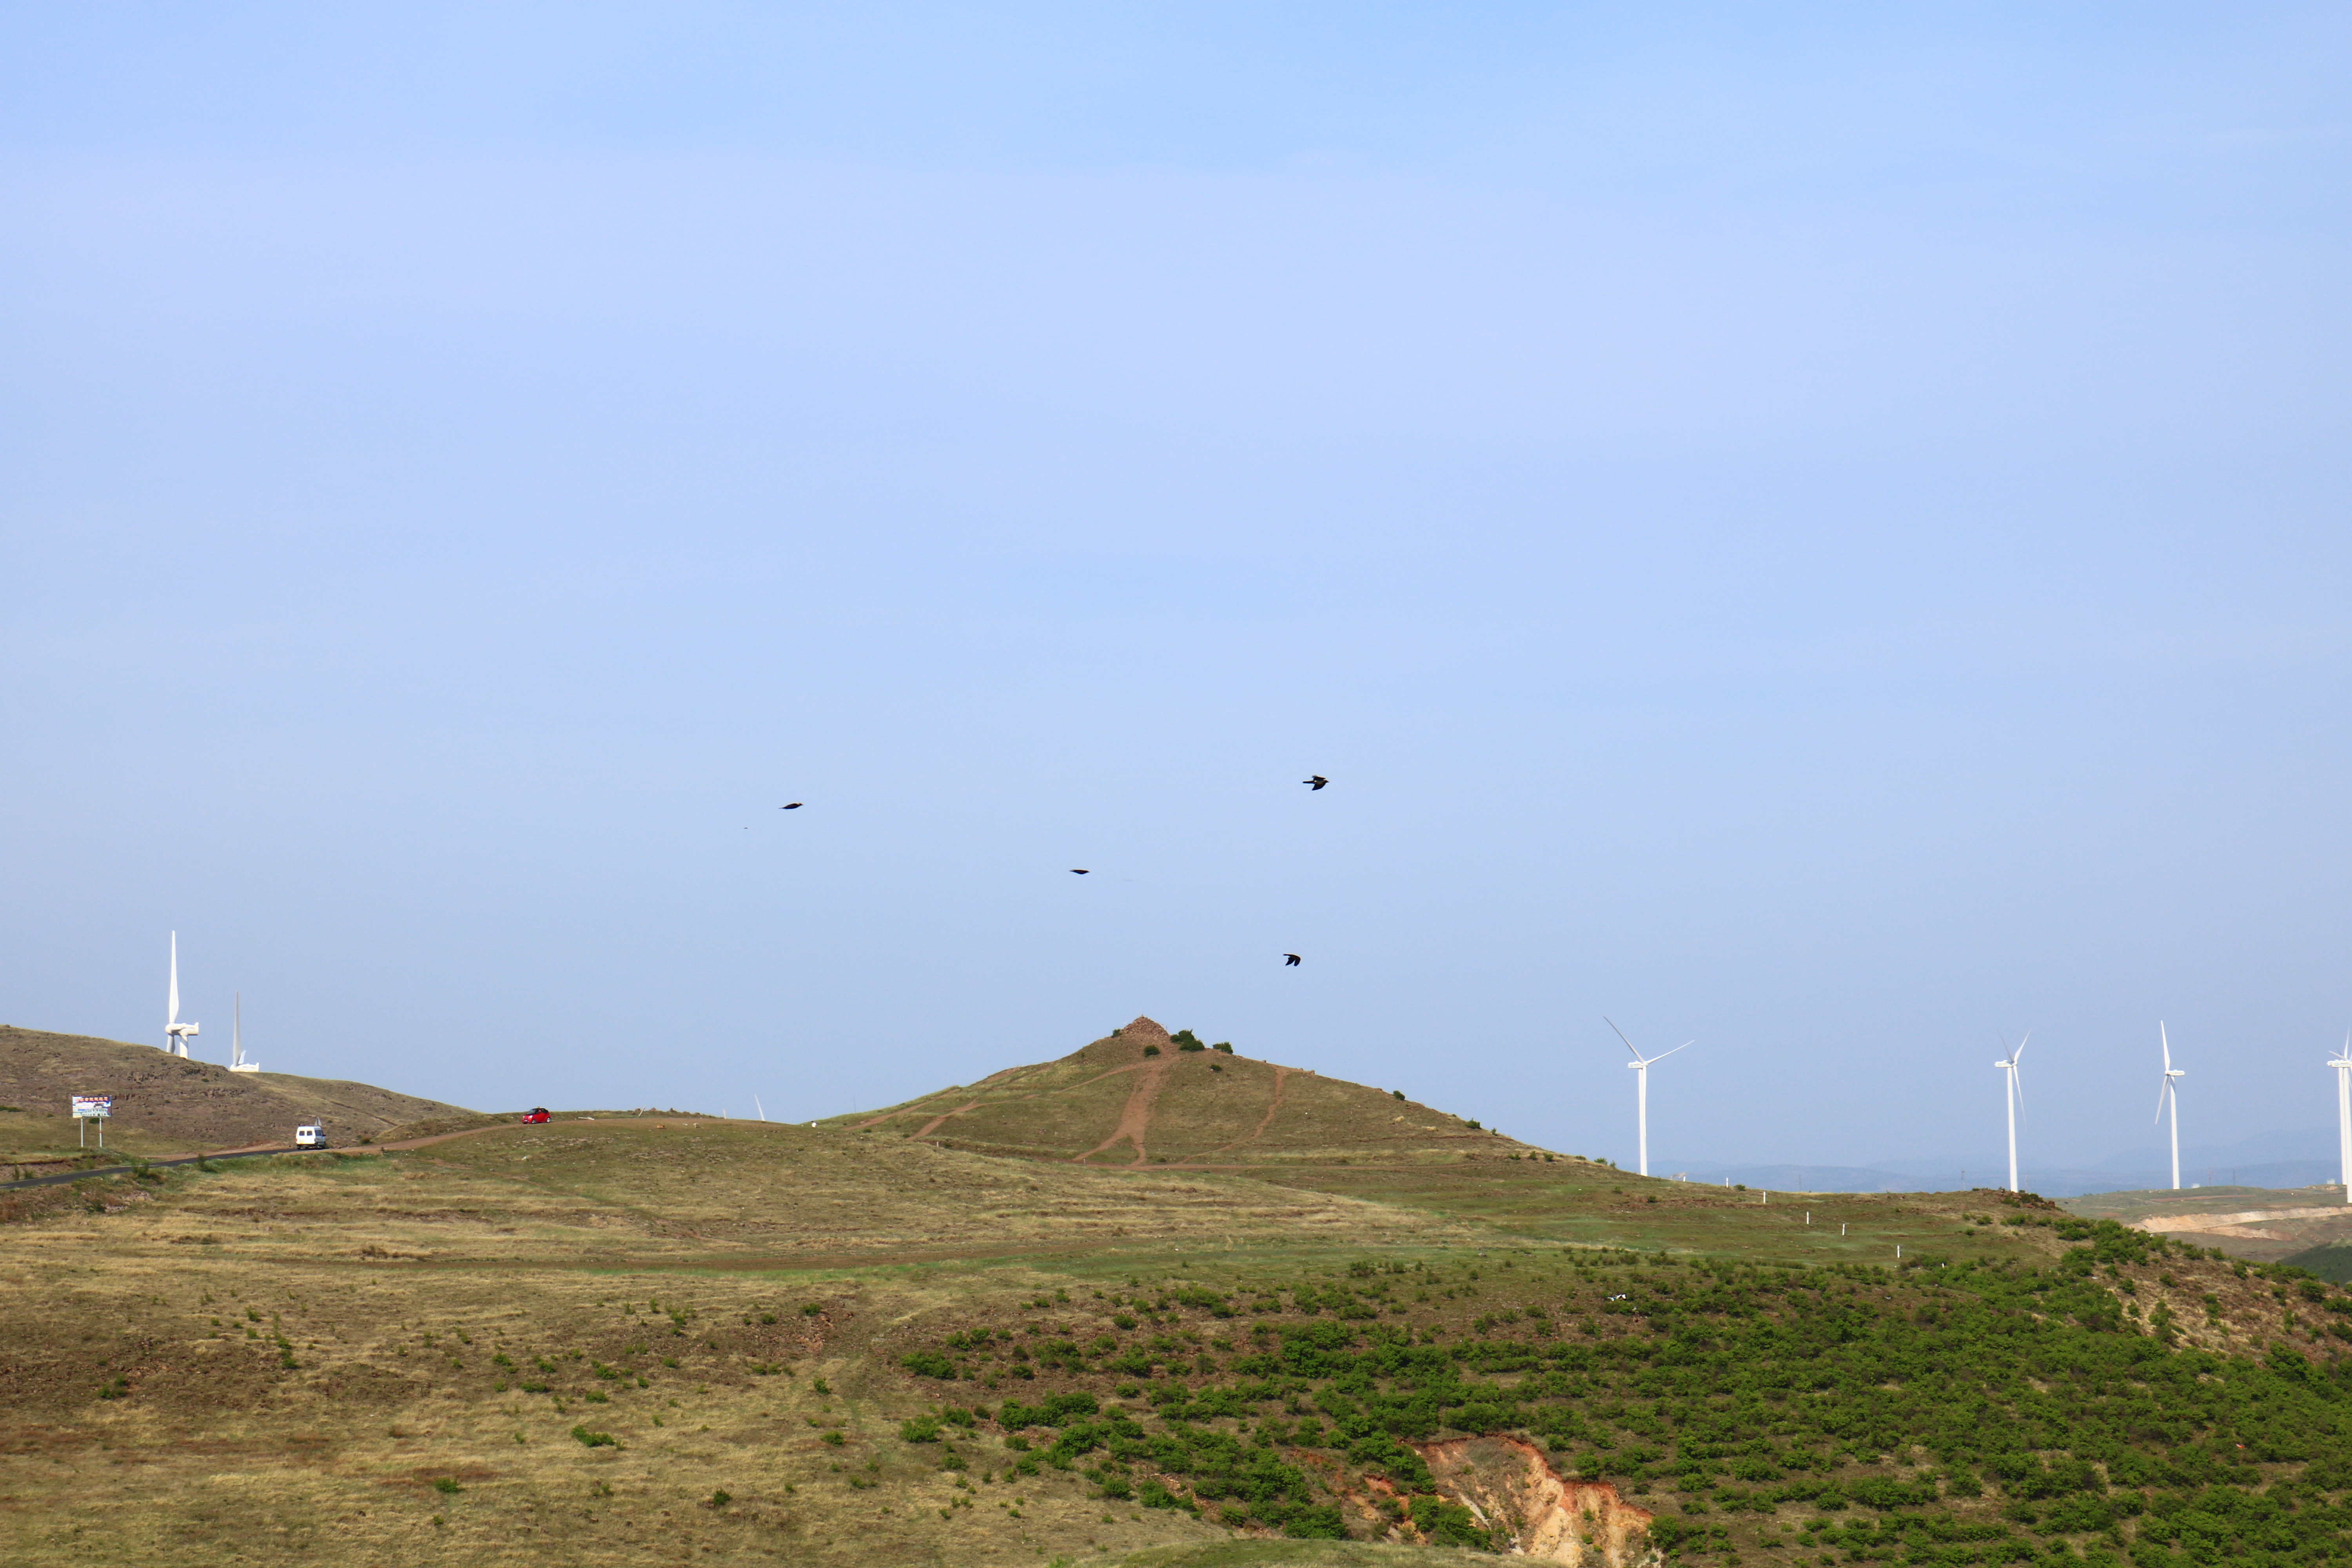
(538, 1113)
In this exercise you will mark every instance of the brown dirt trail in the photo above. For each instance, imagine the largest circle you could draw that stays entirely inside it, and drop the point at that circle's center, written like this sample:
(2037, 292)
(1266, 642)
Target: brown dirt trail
(1135, 1120)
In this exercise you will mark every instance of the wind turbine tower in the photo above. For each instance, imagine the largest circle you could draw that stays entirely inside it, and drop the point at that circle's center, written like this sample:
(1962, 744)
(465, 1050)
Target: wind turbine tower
(237, 1062)
(2342, 1066)
(175, 1032)
(2167, 1089)
(1641, 1066)
(2013, 1098)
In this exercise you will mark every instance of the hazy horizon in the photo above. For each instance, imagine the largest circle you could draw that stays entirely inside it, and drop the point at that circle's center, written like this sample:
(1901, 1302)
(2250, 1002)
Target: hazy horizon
(1820, 532)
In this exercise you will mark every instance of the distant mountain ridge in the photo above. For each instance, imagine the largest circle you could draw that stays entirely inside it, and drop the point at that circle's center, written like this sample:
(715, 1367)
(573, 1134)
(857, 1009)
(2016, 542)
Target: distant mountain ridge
(182, 1101)
(2051, 1184)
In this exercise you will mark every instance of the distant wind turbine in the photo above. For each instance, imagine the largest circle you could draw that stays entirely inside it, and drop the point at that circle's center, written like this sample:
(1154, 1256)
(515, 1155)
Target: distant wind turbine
(237, 1062)
(2342, 1066)
(759, 1108)
(2167, 1089)
(2014, 1098)
(175, 1032)
(1641, 1066)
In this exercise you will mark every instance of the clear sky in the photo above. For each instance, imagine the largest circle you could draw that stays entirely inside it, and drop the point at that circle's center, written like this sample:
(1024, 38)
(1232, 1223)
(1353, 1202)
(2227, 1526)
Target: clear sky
(1816, 527)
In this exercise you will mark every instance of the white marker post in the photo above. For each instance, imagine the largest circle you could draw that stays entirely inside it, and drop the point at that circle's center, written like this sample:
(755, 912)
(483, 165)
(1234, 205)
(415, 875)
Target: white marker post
(90, 1107)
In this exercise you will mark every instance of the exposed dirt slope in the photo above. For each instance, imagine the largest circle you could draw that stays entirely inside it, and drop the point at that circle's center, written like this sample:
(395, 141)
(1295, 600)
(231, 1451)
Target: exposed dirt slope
(2266, 1224)
(1135, 1098)
(1509, 1485)
(164, 1102)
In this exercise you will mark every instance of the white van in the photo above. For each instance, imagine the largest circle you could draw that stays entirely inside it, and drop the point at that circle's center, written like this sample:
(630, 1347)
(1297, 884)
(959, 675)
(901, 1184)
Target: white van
(311, 1136)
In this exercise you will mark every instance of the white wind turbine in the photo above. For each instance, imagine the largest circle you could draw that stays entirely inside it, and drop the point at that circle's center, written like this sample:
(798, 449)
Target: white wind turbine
(1641, 1066)
(175, 1032)
(2342, 1066)
(237, 1062)
(2167, 1090)
(2013, 1096)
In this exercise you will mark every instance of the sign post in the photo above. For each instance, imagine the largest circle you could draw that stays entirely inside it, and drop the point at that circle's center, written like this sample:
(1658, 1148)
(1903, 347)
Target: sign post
(90, 1107)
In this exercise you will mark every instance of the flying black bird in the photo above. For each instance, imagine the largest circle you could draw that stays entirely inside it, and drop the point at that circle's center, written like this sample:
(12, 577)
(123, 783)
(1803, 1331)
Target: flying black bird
(1077, 871)
(1317, 781)
(1289, 959)
(794, 806)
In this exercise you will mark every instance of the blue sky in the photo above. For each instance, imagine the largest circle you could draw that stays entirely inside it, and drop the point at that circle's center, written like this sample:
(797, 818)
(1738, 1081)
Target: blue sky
(1819, 529)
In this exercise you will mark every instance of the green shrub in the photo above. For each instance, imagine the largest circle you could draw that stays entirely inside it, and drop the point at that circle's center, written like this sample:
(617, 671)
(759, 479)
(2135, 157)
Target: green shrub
(1443, 1523)
(929, 1363)
(1319, 1525)
(447, 1486)
(595, 1439)
(919, 1429)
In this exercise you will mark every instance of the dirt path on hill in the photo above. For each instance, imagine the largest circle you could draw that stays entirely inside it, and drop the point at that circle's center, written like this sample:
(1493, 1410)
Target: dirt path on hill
(927, 1128)
(1281, 1077)
(1135, 1120)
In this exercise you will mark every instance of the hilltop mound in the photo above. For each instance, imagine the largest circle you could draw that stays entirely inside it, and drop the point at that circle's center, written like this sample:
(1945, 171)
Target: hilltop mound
(165, 1102)
(1139, 1096)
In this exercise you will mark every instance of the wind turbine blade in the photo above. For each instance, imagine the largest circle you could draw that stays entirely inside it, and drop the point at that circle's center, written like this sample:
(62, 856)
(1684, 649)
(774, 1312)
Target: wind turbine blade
(175, 979)
(2166, 1041)
(2021, 1044)
(1620, 1034)
(1662, 1055)
(2163, 1087)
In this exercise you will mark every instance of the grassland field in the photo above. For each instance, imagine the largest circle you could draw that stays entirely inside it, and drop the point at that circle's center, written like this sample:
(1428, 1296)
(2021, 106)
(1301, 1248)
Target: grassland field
(418, 1355)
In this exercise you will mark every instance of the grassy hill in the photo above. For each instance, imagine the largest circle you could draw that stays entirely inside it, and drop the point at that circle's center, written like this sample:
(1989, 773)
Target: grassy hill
(620, 1338)
(167, 1105)
(1138, 1096)
(1139, 1099)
